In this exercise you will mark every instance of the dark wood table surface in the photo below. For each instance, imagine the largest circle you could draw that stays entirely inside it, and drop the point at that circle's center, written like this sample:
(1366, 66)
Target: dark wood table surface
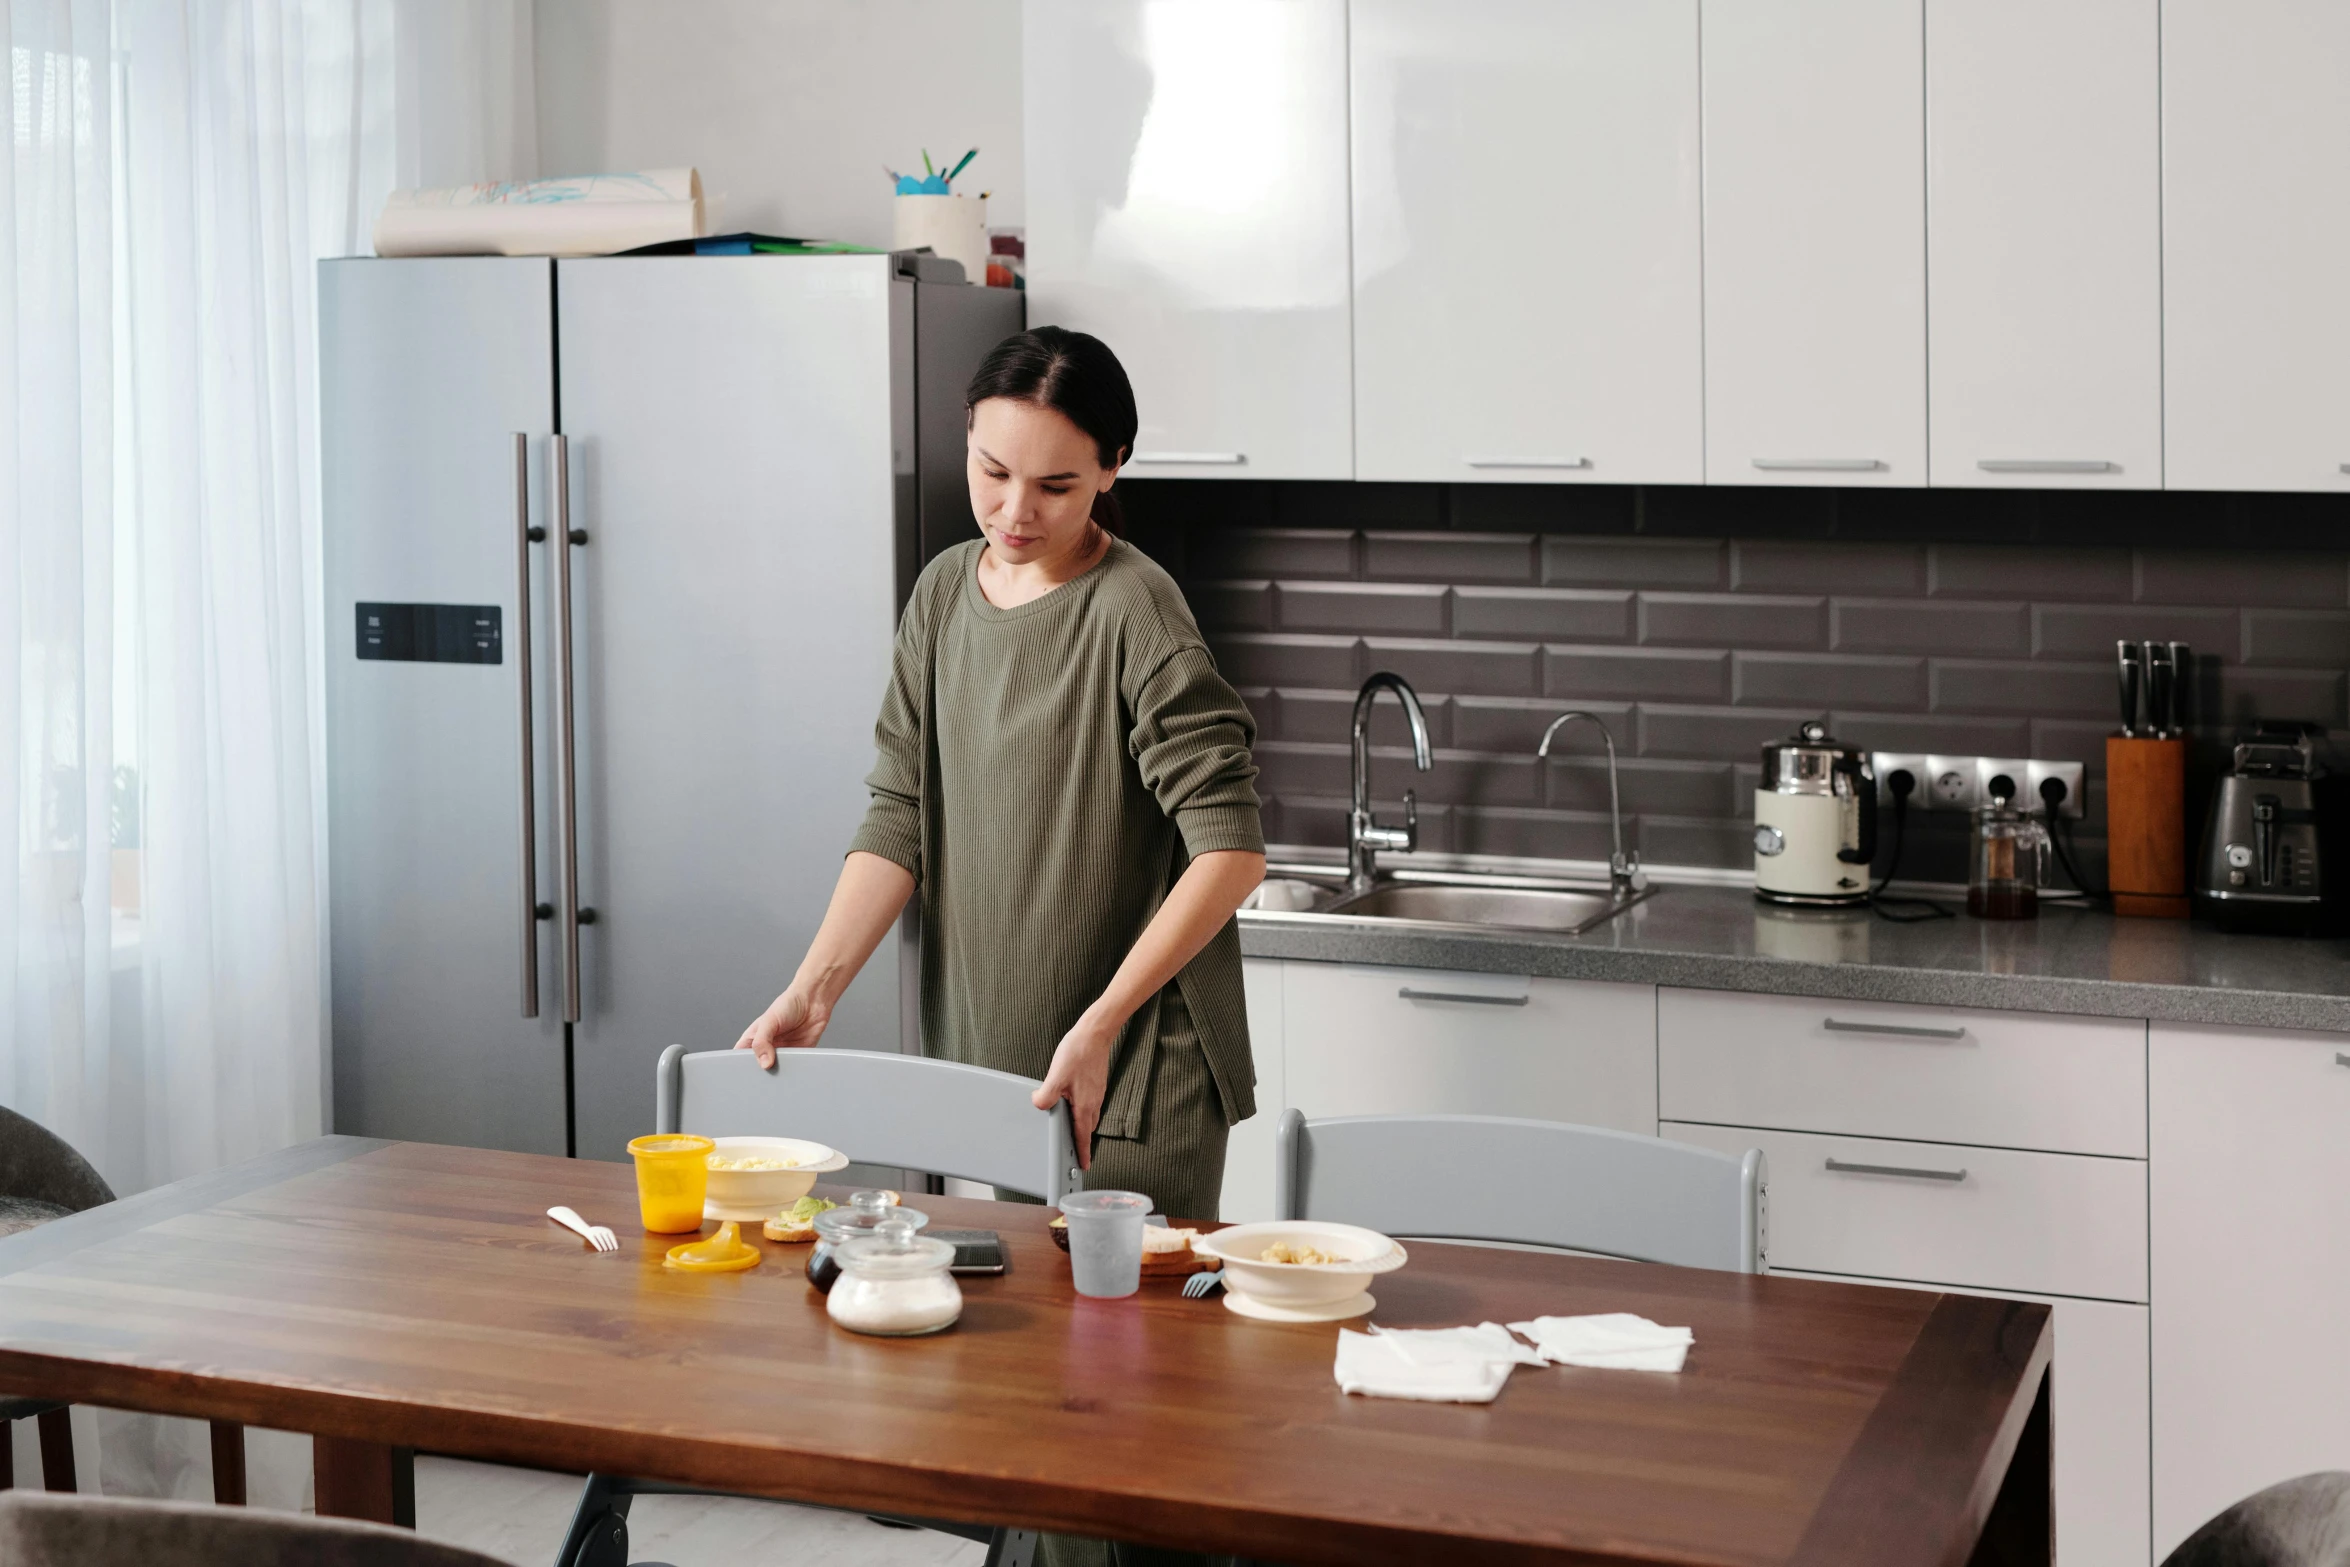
(391, 1297)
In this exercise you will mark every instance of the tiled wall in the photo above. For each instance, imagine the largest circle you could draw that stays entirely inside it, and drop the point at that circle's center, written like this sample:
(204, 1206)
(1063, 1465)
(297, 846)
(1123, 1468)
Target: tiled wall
(1700, 624)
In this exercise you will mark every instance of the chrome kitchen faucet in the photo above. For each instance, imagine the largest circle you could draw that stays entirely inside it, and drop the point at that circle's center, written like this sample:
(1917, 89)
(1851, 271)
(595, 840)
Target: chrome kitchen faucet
(1623, 870)
(1364, 836)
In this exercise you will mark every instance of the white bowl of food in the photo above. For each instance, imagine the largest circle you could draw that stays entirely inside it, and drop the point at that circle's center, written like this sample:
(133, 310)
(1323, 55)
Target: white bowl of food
(755, 1177)
(1299, 1265)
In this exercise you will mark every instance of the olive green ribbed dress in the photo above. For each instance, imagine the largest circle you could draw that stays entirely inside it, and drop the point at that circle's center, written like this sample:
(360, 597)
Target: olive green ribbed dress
(1046, 773)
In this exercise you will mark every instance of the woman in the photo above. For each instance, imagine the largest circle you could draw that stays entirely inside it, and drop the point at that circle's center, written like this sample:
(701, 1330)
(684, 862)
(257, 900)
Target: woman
(1066, 781)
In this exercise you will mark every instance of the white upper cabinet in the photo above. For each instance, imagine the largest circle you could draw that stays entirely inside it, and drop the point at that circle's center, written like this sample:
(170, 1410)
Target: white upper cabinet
(1815, 247)
(2044, 234)
(1187, 203)
(2256, 243)
(1526, 243)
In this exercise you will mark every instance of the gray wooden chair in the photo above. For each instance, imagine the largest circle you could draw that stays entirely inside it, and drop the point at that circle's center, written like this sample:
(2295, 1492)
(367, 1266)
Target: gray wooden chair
(905, 1112)
(1536, 1183)
(43, 1178)
(105, 1531)
(2303, 1522)
(902, 1112)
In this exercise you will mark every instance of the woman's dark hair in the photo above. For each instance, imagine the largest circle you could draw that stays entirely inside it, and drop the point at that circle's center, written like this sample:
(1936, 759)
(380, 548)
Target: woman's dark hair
(1077, 377)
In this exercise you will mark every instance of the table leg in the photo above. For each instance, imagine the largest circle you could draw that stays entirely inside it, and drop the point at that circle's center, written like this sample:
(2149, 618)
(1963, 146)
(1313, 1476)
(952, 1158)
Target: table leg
(56, 1428)
(364, 1480)
(228, 1463)
(2022, 1525)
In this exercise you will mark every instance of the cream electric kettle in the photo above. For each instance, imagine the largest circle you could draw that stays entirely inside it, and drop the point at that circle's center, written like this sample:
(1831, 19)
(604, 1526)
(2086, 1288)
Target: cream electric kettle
(1815, 821)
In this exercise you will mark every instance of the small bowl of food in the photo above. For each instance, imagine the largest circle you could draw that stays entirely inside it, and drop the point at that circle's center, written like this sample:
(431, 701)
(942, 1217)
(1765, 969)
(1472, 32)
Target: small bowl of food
(1300, 1270)
(752, 1178)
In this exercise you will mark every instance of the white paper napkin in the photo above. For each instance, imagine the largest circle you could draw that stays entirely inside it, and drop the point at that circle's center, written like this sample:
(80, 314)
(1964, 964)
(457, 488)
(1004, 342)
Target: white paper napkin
(1435, 1365)
(1617, 1340)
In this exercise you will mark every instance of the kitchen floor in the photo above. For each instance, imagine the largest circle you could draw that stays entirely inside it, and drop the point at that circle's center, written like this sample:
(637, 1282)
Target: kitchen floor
(521, 1514)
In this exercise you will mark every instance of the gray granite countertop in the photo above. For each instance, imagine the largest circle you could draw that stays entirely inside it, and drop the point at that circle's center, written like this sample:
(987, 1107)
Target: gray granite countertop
(2070, 959)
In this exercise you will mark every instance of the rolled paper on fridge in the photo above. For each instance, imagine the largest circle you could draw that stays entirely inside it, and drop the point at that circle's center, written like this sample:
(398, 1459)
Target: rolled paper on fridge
(588, 215)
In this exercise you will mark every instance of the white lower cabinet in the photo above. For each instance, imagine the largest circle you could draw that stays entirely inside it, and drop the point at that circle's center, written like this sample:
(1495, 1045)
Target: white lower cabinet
(2250, 1152)
(2100, 1424)
(1248, 1153)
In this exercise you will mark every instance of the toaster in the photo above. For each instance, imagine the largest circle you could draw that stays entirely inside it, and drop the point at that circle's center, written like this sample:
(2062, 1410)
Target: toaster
(2262, 863)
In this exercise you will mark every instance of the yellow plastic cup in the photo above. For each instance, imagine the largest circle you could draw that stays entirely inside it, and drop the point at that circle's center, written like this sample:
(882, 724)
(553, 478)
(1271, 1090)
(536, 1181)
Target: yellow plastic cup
(672, 1177)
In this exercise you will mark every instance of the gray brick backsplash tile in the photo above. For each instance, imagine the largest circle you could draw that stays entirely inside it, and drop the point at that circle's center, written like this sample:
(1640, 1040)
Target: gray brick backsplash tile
(1231, 606)
(1690, 840)
(2296, 636)
(1789, 566)
(1542, 614)
(1579, 782)
(1538, 835)
(1635, 563)
(1482, 668)
(1733, 620)
(1575, 674)
(2009, 571)
(2088, 631)
(1277, 552)
(1276, 659)
(1714, 733)
(2041, 689)
(1397, 609)
(1701, 625)
(1827, 680)
(1328, 717)
(1449, 557)
(1929, 626)
(1502, 724)
(2244, 577)
(1921, 732)
(2246, 695)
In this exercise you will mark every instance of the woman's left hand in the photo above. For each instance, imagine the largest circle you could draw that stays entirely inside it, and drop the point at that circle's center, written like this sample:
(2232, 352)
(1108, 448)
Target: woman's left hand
(1080, 1073)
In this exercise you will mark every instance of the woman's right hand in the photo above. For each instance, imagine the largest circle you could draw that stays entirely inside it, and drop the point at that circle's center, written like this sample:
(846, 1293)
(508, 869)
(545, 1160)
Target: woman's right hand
(793, 1021)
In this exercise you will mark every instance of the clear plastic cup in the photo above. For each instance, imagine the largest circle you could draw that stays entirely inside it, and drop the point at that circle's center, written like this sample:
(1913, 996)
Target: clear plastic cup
(1105, 1241)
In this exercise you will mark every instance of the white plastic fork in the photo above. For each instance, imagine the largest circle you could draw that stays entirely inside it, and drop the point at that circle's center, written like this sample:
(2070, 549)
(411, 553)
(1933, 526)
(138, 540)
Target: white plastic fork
(595, 1235)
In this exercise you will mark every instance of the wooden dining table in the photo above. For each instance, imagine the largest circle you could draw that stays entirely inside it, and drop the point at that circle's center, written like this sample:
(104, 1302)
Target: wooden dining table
(395, 1298)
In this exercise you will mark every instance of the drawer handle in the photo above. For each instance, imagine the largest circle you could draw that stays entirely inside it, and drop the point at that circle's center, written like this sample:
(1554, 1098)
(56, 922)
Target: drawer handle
(1841, 1168)
(1409, 994)
(1897, 1030)
(1193, 459)
(2340, 1059)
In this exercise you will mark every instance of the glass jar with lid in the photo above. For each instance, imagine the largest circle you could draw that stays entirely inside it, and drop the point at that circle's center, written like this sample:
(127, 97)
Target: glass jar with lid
(894, 1283)
(864, 1214)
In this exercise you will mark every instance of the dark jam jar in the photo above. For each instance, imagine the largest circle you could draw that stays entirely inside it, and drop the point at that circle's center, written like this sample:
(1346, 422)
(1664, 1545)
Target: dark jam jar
(864, 1213)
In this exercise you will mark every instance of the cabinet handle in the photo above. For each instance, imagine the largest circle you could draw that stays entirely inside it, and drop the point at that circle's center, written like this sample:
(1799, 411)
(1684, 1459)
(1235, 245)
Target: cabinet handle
(523, 532)
(1897, 1030)
(1194, 459)
(1527, 462)
(2046, 465)
(1841, 1168)
(566, 733)
(1818, 464)
(2340, 1059)
(1409, 994)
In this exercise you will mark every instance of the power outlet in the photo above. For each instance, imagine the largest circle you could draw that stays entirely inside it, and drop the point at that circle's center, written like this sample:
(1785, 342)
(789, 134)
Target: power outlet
(2072, 775)
(1886, 763)
(2016, 770)
(1953, 783)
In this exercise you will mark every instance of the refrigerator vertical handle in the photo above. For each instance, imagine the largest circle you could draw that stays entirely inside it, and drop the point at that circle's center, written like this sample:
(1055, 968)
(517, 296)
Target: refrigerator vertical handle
(530, 821)
(566, 756)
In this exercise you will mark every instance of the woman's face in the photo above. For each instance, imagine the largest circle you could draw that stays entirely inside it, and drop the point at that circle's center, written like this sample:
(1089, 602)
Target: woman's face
(1033, 479)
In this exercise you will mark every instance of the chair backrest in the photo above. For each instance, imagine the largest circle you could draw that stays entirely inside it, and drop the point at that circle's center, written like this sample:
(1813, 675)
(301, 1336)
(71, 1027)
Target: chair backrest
(37, 1164)
(38, 1529)
(1538, 1183)
(908, 1112)
(2303, 1522)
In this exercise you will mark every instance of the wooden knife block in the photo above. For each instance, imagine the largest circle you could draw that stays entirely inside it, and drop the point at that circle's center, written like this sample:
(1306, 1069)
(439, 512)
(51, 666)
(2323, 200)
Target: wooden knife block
(2146, 826)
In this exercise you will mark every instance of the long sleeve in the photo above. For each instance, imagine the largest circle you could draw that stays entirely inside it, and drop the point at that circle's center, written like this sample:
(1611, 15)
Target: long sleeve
(893, 822)
(1191, 740)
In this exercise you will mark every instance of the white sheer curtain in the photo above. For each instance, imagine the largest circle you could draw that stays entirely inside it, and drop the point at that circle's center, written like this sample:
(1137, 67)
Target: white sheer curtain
(176, 168)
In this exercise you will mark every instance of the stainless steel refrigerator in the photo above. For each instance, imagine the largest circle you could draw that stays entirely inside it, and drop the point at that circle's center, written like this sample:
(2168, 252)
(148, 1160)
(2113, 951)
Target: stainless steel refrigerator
(614, 551)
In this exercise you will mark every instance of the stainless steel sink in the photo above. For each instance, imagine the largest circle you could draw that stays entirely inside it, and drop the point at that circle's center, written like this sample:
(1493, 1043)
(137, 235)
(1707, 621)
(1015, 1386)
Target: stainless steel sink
(1498, 903)
(1558, 911)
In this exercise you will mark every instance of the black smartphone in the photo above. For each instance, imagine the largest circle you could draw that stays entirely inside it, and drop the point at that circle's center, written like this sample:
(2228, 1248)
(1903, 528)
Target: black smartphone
(976, 1251)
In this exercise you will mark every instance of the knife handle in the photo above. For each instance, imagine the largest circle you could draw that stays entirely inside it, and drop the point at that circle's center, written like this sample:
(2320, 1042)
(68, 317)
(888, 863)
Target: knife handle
(2131, 659)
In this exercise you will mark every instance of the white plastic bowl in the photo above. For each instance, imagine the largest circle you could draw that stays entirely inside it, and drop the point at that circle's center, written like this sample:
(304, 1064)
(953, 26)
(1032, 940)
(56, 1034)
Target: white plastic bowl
(759, 1194)
(1300, 1286)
